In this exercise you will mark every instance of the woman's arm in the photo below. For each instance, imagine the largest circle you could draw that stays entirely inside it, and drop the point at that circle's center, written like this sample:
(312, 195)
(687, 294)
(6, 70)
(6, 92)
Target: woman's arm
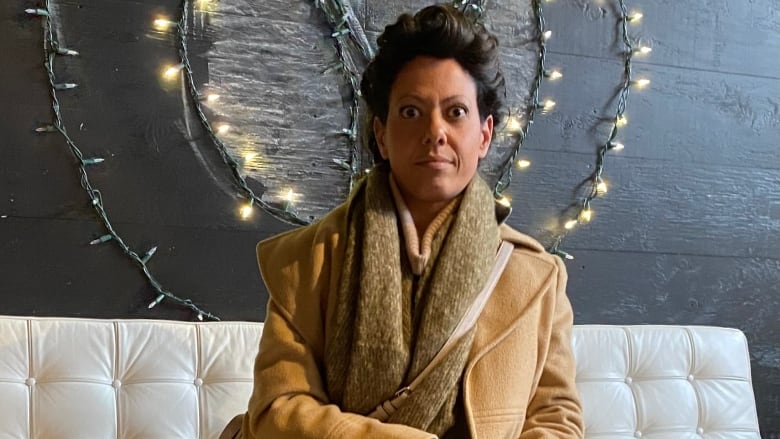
(554, 410)
(289, 399)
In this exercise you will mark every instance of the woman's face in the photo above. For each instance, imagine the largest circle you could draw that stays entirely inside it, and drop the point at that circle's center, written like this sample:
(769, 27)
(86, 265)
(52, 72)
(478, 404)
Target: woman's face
(433, 137)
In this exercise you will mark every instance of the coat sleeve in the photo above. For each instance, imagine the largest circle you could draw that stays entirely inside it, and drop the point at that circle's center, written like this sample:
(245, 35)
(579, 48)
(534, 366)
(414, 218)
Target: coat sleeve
(289, 400)
(554, 410)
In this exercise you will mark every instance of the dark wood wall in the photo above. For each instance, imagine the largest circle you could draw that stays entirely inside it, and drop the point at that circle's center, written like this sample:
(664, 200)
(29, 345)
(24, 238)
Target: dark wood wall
(689, 232)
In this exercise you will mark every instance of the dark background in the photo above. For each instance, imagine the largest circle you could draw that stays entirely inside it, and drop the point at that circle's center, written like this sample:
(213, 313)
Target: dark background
(689, 232)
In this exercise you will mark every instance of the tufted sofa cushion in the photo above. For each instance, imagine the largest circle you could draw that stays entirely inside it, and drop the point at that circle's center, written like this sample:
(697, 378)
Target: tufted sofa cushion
(80, 378)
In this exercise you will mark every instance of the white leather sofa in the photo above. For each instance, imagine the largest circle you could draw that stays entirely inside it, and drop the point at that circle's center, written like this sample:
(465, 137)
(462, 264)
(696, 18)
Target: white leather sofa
(66, 378)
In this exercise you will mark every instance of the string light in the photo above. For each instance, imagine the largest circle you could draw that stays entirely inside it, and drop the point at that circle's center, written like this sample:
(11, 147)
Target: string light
(172, 71)
(223, 128)
(246, 211)
(599, 186)
(51, 47)
(636, 16)
(617, 146)
(505, 201)
(513, 124)
(522, 164)
(506, 167)
(549, 104)
(212, 98)
(547, 35)
(163, 24)
(553, 74)
(644, 50)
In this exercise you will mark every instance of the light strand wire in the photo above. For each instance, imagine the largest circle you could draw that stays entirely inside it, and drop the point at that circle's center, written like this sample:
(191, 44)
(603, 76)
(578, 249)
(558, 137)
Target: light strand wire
(50, 49)
(596, 176)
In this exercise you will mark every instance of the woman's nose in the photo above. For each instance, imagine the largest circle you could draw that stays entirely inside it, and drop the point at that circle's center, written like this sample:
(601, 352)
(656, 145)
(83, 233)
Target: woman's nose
(436, 132)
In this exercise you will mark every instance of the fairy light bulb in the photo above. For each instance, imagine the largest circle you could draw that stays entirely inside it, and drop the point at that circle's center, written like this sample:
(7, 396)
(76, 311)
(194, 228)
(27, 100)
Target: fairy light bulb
(223, 129)
(162, 24)
(513, 124)
(504, 201)
(616, 146)
(601, 187)
(586, 215)
(246, 211)
(250, 156)
(555, 74)
(570, 224)
(523, 163)
(212, 98)
(289, 196)
(621, 120)
(171, 72)
(641, 83)
(549, 104)
(546, 35)
(636, 16)
(644, 50)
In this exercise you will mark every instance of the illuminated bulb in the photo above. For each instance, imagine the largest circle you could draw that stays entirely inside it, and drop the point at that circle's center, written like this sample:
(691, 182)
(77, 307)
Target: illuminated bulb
(504, 201)
(224, 128)
(171, 72)
(601, 188)
(250, 156)
(617, 146)
(289, 196)
(636, 16)
(522, 164)
(621, 121)
(162, 24)
(570, 224)
(546, 35)
(212, 98)
(246, 211)
(643, 82)
(549, 104)
(555, 74)
(645, 50)
(586, 215)
(513, 124)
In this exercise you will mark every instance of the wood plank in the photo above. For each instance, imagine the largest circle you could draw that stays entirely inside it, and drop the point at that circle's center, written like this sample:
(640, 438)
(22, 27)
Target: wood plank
(72, 278)
(653, 206)
(711, 36)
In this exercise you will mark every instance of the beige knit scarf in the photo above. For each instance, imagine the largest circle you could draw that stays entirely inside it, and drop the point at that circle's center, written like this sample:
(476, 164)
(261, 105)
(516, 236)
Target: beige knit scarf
(389, 323)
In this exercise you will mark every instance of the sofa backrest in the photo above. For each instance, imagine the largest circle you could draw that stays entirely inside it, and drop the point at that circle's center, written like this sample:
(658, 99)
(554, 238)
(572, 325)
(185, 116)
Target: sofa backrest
(84, 378)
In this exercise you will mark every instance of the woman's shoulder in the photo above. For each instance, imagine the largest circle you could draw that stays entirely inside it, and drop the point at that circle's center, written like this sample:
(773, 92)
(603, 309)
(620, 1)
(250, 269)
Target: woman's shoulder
(529, 250)
(332, 224)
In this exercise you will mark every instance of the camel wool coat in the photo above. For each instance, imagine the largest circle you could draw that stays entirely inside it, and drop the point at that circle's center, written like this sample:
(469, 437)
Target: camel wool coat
(518, 381)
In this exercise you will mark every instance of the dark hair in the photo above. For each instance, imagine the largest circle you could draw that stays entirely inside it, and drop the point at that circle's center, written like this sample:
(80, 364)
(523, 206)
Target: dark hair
(439, 31)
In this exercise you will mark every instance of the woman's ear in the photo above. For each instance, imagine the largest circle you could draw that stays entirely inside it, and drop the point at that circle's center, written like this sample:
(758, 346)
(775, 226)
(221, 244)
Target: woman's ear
(379, 136)
(487, 136)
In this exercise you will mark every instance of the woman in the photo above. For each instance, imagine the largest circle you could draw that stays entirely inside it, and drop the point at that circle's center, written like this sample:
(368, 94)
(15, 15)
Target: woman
(362, 301)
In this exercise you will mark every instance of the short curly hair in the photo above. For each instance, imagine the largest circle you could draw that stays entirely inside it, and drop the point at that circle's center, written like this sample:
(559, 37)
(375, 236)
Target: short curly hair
(439, 31)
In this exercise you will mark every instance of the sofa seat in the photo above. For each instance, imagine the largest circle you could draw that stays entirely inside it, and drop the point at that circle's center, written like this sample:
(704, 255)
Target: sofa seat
(63, 378)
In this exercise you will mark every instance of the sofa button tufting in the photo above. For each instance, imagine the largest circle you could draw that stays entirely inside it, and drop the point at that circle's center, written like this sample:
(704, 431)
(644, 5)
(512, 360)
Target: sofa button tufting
(117, 384)
(638, 434)
(30, 381)
(198, 382)
(700, 430)
(629, 380)
(690, 377)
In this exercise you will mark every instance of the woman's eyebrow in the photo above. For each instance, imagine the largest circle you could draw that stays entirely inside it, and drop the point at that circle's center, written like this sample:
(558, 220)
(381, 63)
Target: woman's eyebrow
(455, 97)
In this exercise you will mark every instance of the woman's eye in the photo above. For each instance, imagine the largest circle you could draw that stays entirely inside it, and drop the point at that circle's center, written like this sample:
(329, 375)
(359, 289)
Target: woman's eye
(458, 112)
(409, 112)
